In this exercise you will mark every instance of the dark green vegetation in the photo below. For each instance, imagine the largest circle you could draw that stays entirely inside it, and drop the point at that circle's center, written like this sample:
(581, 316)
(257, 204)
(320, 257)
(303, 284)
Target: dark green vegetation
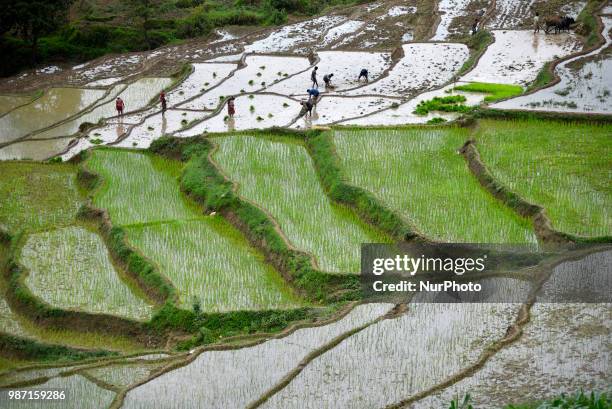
(43, 31)
(452, 103)
(579, 400)
(496, 91)
(478, 45)
(588, 21)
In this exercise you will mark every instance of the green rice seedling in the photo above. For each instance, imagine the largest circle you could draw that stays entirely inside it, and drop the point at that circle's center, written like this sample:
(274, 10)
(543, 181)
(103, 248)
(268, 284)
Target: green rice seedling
(71, 268)
(259, 74)
(211, 261)
(436, 120)
(452, 103)
(251, 82)
(79, 393)
(37, 196)
(139, 188)
(279, 176)
(252, 108)
(496, 91)
(563, 167)
(251, 96)
(96, 141)
(285, 105)
(259, 118)
(419, 173)
(8, 321)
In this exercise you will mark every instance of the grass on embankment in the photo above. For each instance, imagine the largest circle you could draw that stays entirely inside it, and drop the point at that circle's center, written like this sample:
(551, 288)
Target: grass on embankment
(419, 173)
(279, 176)
(36, 196)
(496, 91)
(208, 260)
(564, 167)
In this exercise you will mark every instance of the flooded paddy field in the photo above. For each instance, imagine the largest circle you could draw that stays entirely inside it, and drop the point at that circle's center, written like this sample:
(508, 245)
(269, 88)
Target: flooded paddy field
(180, 239)
(567, 174)
(438, 194)
(304, 213)
(262, 303)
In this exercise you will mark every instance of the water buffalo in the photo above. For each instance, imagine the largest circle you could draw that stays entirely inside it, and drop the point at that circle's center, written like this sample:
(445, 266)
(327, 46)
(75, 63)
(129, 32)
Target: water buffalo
(558, 23)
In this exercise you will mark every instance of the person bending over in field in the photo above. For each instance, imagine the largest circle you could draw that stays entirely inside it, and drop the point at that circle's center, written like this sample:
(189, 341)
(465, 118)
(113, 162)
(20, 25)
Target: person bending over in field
(364, 74)
(119, 106)
(313, 77)
(313, 95)
(306, 108)
(327, 80)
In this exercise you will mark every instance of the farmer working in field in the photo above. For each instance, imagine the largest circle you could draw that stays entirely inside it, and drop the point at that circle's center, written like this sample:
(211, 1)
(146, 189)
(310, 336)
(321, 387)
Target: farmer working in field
(313, 77)
(119, 106)
(306, 108)
(231, 109)
(162, 99)
(313, 95)
(475, 26)
(364, 74)
(327, 80)
(536, 23)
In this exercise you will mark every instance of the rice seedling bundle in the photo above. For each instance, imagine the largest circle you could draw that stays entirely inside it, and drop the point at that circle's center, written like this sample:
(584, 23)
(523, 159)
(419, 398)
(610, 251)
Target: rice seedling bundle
(280, 177)
(210, 261)
(37, 196)
(420, 174)
(566, 168)
(71, 268)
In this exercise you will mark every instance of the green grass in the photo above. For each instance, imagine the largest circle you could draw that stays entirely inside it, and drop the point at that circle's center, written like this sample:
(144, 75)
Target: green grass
(204, 257)
(139, 188)
(452, 103)
(36, 196)
(279, 176)
(210, 261)
(496, 91)
(544, 77)
(561, 166)
(579, 400)
(70, 268)
(419, 173)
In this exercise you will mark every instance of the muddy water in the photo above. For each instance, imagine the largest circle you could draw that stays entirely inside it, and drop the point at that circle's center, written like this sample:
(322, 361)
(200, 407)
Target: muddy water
(34, 150)
(585, 86)
(333, 109)
(57, 104)
(8, 102)
(136, 96)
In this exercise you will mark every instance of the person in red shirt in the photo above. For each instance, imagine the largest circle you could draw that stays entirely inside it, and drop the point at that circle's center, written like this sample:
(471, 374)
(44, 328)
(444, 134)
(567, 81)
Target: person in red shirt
(119, 106)
(162, 99)
(231, 109)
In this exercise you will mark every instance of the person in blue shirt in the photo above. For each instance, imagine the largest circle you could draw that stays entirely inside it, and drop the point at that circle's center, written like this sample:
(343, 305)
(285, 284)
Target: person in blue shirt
(313, 95)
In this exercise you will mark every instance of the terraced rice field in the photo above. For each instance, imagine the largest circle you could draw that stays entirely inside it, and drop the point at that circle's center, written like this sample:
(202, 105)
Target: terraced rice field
(37, 197)
(224, 389)
(204, 257)
(79, 260)
(419, 173)
(565, 169)
(429, 354)
(57, 104)
(279, 176)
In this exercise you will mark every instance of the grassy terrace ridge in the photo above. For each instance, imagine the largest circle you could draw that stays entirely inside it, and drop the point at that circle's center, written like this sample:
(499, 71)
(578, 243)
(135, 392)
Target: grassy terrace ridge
(278, 175)
(562, 167)
(496, 91)
(436, 193)
(207, 260)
